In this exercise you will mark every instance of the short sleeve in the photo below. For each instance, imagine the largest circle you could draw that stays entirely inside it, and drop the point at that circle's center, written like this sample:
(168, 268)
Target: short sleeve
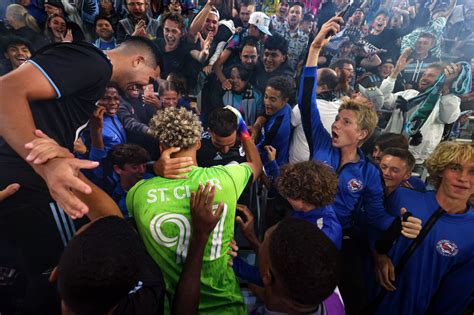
(240, 175)
(64, 64)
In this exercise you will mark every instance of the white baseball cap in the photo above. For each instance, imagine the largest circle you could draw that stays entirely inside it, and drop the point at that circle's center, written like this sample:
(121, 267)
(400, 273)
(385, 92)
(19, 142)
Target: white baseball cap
(261, 21)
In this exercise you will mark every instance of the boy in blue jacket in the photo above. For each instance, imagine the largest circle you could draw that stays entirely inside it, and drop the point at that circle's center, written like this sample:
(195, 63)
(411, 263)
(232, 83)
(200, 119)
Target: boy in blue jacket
(360, 182)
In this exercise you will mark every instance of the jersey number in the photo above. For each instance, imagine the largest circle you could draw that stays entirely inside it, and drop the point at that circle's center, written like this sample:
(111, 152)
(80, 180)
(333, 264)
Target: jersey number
(181, 241)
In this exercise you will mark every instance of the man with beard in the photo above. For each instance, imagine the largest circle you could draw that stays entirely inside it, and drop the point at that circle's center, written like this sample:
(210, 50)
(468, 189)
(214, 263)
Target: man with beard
(137, 22)
(258, 31)
(105, 34)
(421, 58)
(297, 39)
(17, 51)
(274, 63)
(446, 110)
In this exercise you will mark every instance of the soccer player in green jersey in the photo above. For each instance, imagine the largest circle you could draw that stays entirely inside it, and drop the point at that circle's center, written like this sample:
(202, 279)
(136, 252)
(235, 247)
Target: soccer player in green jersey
(160, 209)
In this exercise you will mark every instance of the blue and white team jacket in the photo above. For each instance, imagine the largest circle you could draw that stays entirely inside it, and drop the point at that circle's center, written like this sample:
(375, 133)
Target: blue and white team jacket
(277, 133)
(358, 181)
(326, 220)
(439, 276)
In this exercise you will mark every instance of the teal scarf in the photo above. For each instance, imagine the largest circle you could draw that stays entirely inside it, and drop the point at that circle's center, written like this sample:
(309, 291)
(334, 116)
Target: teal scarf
(427, 100)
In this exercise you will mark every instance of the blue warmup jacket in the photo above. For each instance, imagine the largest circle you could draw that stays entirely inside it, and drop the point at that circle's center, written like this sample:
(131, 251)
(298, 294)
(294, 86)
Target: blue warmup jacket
(277, 133)
(439, 276)
(113, 132)
(326, 220)
(360, 183)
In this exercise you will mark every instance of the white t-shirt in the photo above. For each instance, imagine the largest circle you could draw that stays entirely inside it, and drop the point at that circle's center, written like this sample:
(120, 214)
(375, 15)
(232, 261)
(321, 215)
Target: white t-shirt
(299, 149)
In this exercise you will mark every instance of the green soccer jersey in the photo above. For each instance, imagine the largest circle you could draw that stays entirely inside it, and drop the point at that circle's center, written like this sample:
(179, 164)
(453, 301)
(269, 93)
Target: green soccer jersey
(160, 208)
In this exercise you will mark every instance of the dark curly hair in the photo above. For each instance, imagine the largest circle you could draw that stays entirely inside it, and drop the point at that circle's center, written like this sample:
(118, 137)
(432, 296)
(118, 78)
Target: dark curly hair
(304, 260)
(311, 181)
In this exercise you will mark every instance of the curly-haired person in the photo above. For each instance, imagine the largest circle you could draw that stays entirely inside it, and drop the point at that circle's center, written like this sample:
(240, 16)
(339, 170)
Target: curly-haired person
(437, 278)
(310, 188)
(160, 208)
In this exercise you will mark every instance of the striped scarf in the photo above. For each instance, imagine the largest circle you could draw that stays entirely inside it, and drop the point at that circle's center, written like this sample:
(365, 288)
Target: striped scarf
(427, 100)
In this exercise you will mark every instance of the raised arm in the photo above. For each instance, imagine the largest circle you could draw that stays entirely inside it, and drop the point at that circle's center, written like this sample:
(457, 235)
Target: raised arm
(314, 130)
(251, 151)
(198, 22)
(389, 83)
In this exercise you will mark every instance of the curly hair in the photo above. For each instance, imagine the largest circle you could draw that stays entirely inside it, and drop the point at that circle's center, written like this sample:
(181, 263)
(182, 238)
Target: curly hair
(176, 127)
(445, 154)
(310, 181)
(366, 117)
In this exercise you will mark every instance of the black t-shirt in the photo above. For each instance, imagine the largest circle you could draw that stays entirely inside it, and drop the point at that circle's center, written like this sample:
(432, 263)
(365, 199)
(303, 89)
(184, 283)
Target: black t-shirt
(208, 155)
(174, 61)
(78, 72)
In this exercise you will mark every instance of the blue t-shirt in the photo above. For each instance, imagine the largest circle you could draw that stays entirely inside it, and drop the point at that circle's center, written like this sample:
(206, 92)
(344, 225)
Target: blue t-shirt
(438, 277)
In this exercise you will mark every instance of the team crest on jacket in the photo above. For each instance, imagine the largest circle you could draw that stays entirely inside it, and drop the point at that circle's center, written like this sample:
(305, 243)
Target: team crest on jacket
(447, 248)
(355, 185)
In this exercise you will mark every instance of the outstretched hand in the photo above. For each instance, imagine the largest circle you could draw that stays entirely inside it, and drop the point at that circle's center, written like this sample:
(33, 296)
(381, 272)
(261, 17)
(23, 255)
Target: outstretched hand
(203, 219)
(333, 26)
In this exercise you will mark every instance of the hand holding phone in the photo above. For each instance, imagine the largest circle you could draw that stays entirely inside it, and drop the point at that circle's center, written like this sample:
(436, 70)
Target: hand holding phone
(341, 14)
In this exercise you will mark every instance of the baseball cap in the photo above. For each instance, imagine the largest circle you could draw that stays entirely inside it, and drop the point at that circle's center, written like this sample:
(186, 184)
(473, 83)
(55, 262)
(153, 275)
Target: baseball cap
(261, 21)
(374, 94)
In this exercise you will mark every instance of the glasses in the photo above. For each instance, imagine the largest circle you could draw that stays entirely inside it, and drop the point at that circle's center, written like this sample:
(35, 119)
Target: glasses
(211, 21)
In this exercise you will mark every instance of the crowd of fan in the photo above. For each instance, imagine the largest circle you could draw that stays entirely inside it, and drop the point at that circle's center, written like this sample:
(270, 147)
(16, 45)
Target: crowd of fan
(352, 117)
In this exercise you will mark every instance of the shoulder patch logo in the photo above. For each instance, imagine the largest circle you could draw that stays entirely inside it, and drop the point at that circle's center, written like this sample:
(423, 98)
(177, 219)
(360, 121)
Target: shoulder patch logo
(447, 248)
(355, 185)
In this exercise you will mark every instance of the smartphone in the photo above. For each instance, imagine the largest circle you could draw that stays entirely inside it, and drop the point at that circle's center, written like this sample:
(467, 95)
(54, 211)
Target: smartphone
(345, 10)
(148, 90)
(342, 14)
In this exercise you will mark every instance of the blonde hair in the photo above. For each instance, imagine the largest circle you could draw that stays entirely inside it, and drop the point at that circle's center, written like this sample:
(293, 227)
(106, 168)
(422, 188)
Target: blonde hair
(445, 154)
(21, 15)
(176, 127)
(366, 117)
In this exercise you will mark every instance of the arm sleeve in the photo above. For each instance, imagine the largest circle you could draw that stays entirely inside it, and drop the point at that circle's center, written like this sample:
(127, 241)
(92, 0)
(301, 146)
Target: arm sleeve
(240, 175)
(247, 272)
(449, 109)
(130, 123)
(315, 133)
(373, 201)
(387, 88)
(273, 169)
